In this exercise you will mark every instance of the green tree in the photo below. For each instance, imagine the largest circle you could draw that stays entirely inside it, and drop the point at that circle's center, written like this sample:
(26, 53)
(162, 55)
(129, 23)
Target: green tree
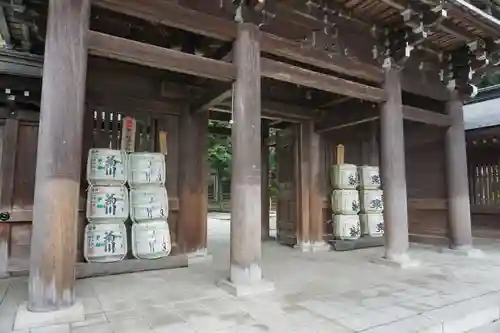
(219, 154)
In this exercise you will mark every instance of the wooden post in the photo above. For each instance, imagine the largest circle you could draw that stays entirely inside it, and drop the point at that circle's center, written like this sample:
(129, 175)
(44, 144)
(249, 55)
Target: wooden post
(265, 180)
(456, 172)
(192, 183)
(393, 169)
(55, 212)
(8, 151)
(316, 222)
(246, 184)
(304, 185)
(310, 229)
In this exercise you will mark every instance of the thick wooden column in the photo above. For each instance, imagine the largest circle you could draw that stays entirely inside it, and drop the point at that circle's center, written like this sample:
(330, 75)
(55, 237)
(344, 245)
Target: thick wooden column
(457, 179)
(246, 184)
(55, 215)
(304, 186)
(316, 222)
(393, 169)
(310, 231)
(192, 183)
(265, 180)
(8, 151)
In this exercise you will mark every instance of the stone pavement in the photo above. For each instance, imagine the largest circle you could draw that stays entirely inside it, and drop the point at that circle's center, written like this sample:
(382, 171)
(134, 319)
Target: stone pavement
(322, 292)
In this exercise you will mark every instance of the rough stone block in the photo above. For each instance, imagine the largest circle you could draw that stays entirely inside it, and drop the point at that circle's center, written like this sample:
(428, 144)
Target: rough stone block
(27, 319)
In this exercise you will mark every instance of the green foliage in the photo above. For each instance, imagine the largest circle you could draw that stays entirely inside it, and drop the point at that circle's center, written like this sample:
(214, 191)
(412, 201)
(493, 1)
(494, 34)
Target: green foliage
(219, 150)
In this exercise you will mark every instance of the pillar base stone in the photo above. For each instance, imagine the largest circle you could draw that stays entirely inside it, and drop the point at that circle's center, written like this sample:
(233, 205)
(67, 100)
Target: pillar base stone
(26, 319)
(199, 257)
(239, 290)
(314, 247)
(402, 261)
(466, 251)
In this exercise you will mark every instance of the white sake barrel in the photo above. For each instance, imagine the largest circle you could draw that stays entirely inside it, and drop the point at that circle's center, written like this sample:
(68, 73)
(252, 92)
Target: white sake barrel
(372, 224)
(146, 169)
(106, 167)
(105, 242)
(346, 227)
(372, 201)
(107, 204)
(345, 202)
(151, 240)
(148, 203)
(369, 177)
(344, 176)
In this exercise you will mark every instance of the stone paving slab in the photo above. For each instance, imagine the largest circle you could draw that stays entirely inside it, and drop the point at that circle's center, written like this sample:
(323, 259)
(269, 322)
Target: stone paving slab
(322, 292)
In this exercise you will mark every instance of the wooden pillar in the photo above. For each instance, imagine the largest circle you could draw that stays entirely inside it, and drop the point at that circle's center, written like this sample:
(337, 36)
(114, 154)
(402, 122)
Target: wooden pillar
(393, 169)
(316, 222)
(457, 180)
(311, 223)
(304, 185)
(192, 183)
(55, 212)
(246, 184)
(8, 151)
(265, 180)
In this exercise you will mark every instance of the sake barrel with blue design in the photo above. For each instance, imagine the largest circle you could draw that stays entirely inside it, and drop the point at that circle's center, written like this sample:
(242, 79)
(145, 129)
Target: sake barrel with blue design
(372, 224)
(346, 227)
(148, 203)
(146, 169)
(107, 204)
(106, 167)
(369, 177)
(105, 242)
(151, 240)
(345, 202)
(344, 176)
(372, 201)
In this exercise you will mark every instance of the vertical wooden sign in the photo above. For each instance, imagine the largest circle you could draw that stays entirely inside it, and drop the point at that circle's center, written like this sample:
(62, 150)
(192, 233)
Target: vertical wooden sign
(128, 134)
(162, 139)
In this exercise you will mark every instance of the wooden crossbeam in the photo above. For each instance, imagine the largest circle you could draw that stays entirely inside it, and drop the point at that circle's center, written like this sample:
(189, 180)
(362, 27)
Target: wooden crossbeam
(214, 100)
(425, 116)
(173, 15)
(288, 73)
(108, 46)
(278, 110)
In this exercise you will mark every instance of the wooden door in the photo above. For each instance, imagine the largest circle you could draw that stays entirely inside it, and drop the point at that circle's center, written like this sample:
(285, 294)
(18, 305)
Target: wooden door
(287, 179)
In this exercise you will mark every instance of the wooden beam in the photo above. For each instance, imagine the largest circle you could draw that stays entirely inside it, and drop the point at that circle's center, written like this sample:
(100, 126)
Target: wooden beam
(214, 100)
(138, 106)
(173, 15)
(122, 49)
(352, 116)
(288, 73)
(426, 116)
(283, 111)
(292, 50)
(53, 241)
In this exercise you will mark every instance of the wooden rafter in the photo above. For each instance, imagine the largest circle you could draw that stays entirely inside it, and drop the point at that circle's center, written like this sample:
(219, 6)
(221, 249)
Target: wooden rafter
(173, 15)
(288, 73)
(425, 116)
(153, 56)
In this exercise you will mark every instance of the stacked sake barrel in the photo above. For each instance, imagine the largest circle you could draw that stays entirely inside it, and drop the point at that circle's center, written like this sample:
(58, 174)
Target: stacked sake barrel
(345, 201)
(372, 201)
(107, 206)
(148, 205)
